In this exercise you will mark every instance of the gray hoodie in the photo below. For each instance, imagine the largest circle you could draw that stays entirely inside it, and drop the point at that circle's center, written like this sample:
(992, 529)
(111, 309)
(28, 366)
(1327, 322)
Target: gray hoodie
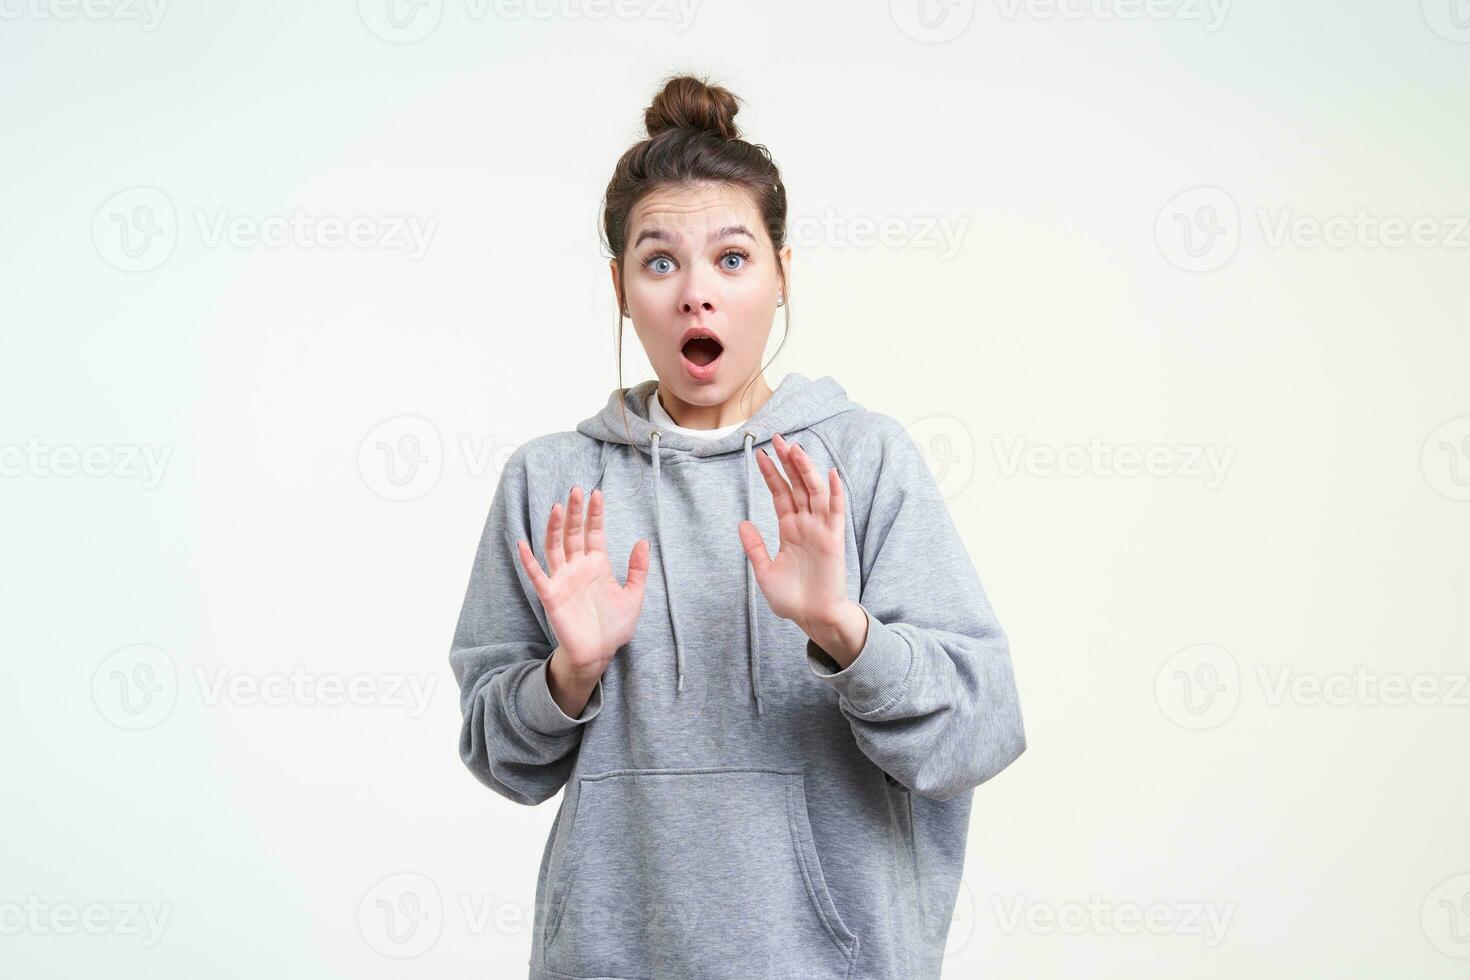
(736, 806)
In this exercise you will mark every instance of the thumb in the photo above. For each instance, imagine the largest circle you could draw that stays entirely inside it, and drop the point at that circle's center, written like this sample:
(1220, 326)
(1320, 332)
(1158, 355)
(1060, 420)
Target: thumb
(755, 547)
(637, 567)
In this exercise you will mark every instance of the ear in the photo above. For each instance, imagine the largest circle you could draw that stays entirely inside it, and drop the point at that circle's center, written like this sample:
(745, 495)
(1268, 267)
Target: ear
(785, 254)
(612, 266)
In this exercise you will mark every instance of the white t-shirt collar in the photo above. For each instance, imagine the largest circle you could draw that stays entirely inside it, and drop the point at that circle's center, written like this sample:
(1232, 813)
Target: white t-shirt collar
(661, 418)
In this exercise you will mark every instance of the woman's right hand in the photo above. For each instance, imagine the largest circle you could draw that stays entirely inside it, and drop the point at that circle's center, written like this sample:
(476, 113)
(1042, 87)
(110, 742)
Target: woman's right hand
(591, 614)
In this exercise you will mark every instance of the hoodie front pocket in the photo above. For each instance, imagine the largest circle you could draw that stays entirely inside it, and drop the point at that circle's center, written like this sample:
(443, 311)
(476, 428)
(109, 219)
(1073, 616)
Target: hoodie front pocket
(694, 873)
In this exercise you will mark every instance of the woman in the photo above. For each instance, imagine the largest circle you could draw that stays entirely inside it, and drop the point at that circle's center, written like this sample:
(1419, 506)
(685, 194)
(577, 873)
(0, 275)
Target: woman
(768, 762)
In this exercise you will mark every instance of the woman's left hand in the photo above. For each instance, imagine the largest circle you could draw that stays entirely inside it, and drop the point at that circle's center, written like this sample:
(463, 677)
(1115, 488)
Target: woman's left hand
(807, 580)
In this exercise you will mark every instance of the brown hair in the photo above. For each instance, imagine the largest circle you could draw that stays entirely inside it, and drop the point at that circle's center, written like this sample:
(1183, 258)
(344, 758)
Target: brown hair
(692, 139)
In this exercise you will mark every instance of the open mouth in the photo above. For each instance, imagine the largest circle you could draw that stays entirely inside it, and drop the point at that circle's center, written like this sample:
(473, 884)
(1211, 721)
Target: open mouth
(702, 351)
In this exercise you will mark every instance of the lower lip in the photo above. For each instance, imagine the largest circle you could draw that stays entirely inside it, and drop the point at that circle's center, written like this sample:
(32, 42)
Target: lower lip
(701, 372)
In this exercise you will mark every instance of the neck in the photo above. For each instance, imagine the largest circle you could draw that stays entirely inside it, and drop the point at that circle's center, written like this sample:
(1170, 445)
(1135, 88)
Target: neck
(745, 402)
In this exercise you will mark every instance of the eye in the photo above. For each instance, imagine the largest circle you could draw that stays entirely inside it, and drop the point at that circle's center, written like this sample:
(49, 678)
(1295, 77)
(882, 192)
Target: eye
(656, 257)
(735, 253)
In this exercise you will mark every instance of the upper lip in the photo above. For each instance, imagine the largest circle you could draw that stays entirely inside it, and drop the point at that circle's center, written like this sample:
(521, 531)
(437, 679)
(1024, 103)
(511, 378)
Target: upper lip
(695, 332)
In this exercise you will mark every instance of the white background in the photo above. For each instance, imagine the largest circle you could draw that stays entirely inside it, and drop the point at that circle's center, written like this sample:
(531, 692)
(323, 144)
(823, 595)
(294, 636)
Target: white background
(1153, 617)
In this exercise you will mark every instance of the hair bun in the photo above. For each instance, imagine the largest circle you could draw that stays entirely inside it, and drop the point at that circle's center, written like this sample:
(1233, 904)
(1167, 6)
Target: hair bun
(692, 103)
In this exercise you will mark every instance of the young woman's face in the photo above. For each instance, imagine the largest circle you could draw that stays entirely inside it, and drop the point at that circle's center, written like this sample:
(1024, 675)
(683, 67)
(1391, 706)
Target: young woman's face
(698, 260)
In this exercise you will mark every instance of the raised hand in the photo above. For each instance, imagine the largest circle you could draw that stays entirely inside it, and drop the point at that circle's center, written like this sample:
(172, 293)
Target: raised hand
(590, 612)
(807, 580)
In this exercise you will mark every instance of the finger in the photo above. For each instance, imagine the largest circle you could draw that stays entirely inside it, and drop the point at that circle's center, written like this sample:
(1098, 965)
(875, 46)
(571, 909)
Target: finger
(575, 540)
(837, 508)
(595, 539)
(816, 487)
(552, 545)
(637, 567)
(533, 569)
(755, 547)
(799, 496)
(780, 492)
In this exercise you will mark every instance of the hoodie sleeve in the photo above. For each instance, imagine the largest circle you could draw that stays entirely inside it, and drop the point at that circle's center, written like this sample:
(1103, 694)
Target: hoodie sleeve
(931, 697)
(515, 738)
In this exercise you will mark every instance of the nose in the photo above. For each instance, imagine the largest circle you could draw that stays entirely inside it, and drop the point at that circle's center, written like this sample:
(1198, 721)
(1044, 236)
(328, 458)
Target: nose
(697, 295)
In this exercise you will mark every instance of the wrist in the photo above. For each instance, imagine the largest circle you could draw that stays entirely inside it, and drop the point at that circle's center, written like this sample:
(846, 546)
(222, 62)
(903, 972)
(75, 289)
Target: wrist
(841, 634)
(570, 690)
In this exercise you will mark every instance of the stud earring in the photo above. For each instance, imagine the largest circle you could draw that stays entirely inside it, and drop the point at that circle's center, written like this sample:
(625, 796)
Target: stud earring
(780, 300)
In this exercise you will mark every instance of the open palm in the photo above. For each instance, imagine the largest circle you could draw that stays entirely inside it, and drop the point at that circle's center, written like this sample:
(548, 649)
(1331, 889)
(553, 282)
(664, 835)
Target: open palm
(807, 580)
(591, 614)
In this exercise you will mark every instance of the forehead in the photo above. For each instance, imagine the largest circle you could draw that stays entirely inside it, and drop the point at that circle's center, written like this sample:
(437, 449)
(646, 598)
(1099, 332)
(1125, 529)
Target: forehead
(695, 211)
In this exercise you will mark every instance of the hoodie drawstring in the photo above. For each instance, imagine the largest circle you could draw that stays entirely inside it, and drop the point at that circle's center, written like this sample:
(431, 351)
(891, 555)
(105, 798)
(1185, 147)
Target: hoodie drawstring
(753, 633)
(754, 622)
(658, 526)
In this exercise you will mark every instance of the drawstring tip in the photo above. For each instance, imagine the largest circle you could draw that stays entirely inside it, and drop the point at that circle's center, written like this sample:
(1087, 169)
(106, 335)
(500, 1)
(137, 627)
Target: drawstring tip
(681, 683)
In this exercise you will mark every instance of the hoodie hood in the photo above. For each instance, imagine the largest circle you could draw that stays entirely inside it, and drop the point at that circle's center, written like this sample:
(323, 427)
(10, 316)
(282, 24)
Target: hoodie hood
(797, 403)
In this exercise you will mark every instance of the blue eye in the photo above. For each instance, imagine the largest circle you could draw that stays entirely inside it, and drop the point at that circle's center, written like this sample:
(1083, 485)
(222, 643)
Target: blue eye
(742, 257)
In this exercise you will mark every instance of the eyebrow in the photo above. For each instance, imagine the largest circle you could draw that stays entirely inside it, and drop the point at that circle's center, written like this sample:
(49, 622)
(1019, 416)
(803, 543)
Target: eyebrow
(669, 236)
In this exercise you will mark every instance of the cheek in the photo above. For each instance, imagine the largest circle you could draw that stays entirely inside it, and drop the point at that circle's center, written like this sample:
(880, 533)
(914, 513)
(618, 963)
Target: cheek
(751, 295)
